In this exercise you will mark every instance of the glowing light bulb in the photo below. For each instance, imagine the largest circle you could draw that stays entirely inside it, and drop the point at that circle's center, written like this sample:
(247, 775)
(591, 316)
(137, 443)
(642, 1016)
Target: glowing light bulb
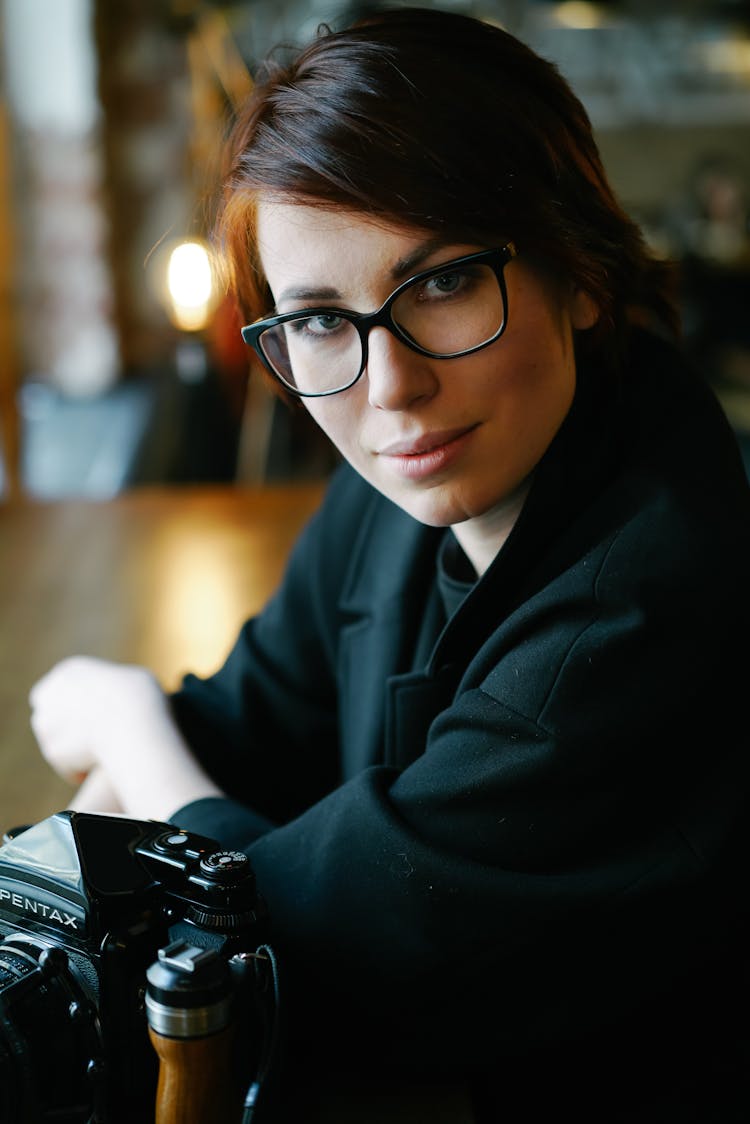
(190, 285)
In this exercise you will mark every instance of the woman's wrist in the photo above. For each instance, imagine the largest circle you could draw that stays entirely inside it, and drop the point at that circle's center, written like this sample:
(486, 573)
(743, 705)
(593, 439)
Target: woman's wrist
(96, 795)
(152, 770)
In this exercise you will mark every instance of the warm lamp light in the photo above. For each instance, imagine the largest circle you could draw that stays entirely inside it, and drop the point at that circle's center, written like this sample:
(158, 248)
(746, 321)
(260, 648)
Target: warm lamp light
(579, 14)
(190, 286)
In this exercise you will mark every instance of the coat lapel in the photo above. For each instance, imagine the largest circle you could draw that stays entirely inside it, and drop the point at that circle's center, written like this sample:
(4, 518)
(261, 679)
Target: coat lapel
(382, 603)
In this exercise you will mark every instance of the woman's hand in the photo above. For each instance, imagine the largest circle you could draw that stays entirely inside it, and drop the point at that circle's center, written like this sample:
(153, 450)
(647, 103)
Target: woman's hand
(115, 720)
(81, 702)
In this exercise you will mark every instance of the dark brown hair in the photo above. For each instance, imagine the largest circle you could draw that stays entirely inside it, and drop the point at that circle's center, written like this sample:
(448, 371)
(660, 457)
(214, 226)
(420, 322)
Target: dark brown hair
(441, 122)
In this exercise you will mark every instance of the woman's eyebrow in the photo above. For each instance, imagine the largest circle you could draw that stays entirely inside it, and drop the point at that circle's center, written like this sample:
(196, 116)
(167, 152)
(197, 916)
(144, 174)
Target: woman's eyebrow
(399, 271)
(411, 262)
(307, 294)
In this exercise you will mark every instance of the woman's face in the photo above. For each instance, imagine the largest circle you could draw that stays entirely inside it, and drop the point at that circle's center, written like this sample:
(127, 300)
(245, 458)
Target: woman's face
(451, 441)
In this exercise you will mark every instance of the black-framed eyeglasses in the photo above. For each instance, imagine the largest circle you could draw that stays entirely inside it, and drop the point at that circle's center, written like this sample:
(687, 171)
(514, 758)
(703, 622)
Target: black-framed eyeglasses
(452, 309)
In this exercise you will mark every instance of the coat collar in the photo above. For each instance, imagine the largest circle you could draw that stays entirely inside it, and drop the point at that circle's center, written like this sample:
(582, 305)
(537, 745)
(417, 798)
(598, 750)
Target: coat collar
(390, 549)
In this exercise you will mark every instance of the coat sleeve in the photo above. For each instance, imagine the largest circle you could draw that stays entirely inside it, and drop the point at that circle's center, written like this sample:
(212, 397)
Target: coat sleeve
(554, 855)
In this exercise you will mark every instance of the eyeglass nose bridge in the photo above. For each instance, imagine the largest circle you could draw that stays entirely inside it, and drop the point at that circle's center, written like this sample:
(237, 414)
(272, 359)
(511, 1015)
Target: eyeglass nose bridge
(382, 318)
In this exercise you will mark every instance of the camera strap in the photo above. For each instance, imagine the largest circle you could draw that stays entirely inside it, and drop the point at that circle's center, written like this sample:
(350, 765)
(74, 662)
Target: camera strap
(269, 993)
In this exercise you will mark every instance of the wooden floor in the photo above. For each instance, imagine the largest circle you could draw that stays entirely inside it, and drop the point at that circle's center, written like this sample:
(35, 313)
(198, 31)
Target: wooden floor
(159, 576)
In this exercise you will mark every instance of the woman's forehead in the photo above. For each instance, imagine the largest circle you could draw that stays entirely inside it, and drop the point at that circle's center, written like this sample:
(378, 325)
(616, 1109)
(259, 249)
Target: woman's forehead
(275, 210)
(296, 240)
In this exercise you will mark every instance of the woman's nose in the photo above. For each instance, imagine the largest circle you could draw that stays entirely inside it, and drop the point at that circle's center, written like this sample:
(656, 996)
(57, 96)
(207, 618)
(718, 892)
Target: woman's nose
(396, 376)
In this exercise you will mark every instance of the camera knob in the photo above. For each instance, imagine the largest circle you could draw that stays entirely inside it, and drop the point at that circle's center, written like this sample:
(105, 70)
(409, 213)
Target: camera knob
(223, 922)
(228, 900)
(225, 865)
(53, 961)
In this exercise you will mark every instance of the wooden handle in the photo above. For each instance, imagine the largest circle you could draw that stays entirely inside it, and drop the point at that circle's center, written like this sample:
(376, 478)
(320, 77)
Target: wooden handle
(195, 1083)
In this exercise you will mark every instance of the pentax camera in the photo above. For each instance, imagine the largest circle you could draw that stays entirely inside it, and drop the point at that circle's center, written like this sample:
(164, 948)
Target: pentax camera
(109, 928)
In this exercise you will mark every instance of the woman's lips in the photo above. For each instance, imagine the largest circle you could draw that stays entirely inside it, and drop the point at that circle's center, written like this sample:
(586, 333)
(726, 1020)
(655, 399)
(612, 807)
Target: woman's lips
(429, 453)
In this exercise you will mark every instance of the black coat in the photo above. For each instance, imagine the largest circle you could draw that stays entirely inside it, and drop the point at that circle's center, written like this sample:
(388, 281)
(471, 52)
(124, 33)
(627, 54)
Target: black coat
(529, 854)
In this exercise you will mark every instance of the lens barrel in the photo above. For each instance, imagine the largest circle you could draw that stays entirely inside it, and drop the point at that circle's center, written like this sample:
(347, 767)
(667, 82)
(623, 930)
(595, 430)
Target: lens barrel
(48, 1036)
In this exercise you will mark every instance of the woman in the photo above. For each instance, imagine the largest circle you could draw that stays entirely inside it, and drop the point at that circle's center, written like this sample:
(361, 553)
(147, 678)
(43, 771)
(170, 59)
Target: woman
(485, 747)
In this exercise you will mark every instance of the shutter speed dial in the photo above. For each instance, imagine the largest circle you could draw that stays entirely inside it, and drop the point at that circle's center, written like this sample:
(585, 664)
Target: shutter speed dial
(225, 866)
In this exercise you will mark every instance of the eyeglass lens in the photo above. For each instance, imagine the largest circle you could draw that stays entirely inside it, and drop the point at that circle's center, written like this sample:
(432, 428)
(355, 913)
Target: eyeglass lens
(445, 314)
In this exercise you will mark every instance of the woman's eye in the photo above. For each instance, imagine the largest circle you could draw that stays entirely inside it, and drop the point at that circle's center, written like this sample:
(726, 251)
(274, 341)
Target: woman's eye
(445, 282)
(323, 324)
(444, 285)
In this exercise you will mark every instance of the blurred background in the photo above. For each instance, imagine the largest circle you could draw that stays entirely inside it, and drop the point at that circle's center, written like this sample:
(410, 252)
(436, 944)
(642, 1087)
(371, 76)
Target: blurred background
(120, 363)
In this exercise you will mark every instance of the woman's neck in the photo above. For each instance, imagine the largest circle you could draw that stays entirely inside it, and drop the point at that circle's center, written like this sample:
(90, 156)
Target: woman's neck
(482, 537)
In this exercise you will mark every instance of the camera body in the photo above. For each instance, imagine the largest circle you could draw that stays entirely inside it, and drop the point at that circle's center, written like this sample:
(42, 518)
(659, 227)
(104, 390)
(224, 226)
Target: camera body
(87, 904)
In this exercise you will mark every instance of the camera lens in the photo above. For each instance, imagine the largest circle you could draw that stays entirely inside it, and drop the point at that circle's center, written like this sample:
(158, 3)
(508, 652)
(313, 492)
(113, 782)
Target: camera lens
(43, 1054)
